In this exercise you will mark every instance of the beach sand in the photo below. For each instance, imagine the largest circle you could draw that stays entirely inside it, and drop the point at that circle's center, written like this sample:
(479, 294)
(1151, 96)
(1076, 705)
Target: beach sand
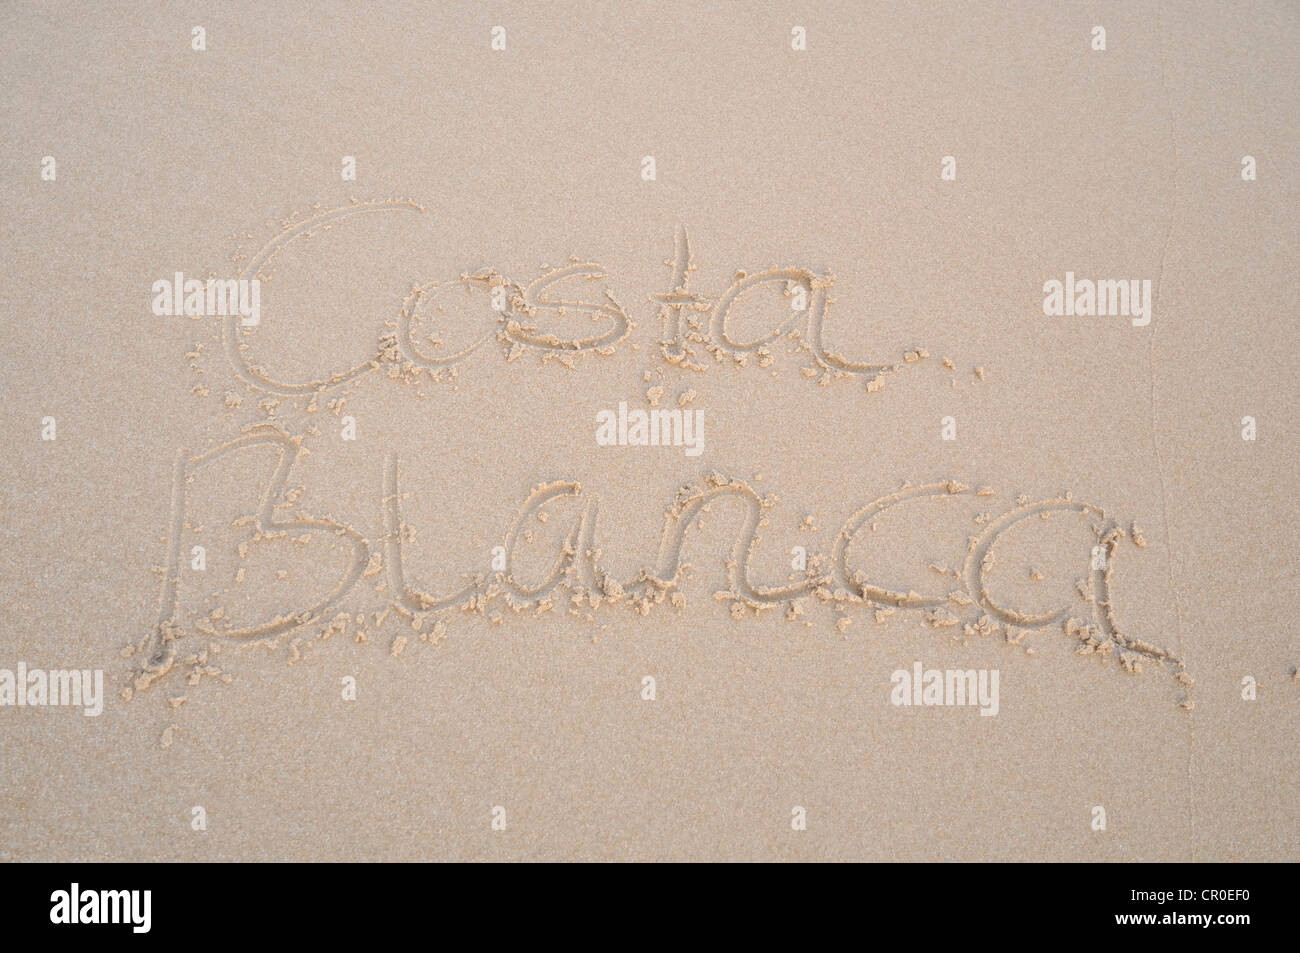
(349, 676)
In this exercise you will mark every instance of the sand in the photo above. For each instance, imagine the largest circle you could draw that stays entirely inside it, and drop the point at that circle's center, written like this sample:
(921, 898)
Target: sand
(628, 462)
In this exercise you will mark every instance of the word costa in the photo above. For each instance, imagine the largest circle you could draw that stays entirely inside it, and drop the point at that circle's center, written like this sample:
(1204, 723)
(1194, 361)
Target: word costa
(697, 325)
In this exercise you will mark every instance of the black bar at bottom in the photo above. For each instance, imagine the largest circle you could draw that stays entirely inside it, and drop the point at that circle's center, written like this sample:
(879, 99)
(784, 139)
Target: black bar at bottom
(336, 902)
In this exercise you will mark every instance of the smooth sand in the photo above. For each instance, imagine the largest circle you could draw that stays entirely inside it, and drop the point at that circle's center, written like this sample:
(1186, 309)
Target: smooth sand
(1118, 164)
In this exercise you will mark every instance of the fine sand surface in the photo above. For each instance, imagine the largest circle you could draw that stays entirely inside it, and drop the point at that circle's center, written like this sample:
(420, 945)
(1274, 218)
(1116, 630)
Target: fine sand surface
(350, 676)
